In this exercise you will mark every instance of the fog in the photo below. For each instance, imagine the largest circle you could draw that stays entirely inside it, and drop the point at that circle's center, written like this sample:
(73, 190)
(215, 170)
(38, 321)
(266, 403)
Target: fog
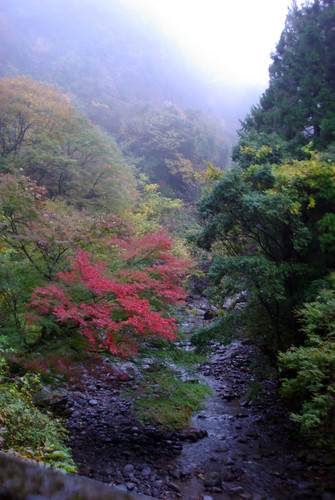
(230, 41)
(104, 50)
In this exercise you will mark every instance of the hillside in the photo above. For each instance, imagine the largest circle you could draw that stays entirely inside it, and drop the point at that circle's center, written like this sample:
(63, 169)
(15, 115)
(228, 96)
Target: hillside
(145, 269)
(129, 80)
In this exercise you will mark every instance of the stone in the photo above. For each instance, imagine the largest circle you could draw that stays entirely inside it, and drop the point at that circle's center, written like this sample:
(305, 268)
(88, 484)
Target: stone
(175, 473)
(228, 476)
(91, 387)
(228, 460)
(93, 402)
(213, 479)
(174, 487)
(120, 487)
(252, 434)
(129, 369)
(128, 468)
(146, 471)
(236, 490)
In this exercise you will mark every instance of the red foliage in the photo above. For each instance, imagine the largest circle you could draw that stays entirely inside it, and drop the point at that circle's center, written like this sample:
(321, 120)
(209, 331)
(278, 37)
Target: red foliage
(123, 307)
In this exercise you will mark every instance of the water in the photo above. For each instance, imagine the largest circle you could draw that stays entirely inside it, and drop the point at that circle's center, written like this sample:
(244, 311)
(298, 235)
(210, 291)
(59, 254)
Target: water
(248, 452)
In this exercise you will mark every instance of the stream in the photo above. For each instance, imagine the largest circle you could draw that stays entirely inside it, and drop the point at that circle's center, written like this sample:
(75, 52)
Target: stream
(247, 452)
(237, 447)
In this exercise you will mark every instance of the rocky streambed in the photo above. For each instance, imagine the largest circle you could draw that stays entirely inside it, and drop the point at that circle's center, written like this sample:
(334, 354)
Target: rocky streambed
(249, 452)
(237, 446)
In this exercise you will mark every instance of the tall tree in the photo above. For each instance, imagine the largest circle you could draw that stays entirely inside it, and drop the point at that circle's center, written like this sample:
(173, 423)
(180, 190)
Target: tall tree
(299, 103)
(42, 135)
(272, 232)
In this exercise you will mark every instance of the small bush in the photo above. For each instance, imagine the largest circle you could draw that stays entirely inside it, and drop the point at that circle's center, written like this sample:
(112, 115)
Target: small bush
(26, 430)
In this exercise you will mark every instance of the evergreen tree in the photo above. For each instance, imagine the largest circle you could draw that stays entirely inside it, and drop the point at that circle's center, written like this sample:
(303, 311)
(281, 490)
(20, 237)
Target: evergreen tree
(299, 103)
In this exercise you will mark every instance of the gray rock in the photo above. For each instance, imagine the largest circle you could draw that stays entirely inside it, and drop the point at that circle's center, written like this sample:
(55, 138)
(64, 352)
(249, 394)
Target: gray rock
(236, 490)
(146, 471)
(93, 402)
(228, 476)
(128, 468)
(120, 487)
(228, 460)
(130, 369)
(175, 473)
(174, 487)
(213, 479)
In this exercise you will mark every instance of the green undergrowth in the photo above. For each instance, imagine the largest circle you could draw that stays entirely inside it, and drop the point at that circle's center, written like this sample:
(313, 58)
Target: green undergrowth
(175, 353)
(163, 399)
(25, 429)
(307, 371)
(263, 370)
(220, 329)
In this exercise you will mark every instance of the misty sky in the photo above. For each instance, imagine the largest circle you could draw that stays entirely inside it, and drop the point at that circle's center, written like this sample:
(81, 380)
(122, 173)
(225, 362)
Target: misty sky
(231, 40)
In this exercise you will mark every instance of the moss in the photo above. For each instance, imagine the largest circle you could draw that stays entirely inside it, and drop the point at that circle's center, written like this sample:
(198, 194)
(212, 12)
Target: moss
(167, 401)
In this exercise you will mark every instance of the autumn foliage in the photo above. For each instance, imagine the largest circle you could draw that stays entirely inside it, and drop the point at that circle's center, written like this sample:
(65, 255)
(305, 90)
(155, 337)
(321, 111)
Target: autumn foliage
(117, 306)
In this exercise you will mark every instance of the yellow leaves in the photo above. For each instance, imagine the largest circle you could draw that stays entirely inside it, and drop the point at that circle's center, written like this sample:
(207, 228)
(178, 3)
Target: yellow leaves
(153, 210)
(248, 150)
(211, 175)
(304, 171)
(151, 188)
(294, 208)
(97, 104)
(30, 108)
(311, 203)
(255, 153)
(303, 182)
(182, 166)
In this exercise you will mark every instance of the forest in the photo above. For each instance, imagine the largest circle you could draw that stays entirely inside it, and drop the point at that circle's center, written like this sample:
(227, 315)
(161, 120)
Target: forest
(121, 190)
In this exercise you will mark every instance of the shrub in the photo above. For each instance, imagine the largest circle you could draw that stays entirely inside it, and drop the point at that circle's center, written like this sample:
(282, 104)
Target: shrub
(308, 371)
(26, 430)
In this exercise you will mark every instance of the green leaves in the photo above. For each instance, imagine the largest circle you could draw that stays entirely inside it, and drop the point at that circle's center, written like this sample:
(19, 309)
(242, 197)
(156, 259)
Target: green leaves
(299, 103)
(326, 229)
(42, 137)
(308, 371)
(270, 228)
(25, 429)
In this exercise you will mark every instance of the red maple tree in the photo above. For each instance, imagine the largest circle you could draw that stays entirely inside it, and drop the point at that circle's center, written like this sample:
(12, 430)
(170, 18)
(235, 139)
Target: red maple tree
(117, 309)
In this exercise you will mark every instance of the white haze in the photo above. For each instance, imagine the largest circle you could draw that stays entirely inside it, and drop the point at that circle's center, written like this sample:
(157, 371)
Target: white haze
(229, 40)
